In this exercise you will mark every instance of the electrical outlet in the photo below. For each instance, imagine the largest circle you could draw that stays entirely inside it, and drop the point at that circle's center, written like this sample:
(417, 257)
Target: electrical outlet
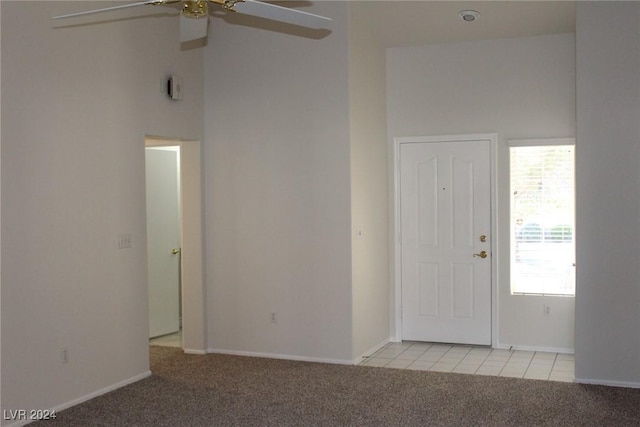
(273, 318)
(546, 310)
(124, 241)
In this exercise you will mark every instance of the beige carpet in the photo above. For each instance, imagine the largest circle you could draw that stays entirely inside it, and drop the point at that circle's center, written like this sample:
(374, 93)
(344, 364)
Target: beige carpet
(219, 390)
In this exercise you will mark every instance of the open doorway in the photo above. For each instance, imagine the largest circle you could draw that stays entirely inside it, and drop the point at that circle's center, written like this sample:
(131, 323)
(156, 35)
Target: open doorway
(163, 244)
(186, 252)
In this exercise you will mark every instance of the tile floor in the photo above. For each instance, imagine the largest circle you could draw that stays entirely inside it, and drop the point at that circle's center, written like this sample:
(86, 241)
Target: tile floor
(173, 340)
(475, 360)
(456, 358)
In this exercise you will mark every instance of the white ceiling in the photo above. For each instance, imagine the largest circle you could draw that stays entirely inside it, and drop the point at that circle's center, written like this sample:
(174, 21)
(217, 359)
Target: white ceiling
(411, 23)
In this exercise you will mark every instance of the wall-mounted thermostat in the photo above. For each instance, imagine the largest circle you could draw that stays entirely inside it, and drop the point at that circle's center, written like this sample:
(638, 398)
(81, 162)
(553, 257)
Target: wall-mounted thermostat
(174, 87)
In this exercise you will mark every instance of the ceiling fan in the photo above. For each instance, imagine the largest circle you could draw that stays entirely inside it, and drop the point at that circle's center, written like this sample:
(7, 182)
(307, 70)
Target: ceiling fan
(195, 13)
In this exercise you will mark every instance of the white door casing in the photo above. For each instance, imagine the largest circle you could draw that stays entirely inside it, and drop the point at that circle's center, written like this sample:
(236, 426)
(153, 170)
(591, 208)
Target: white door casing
(191, 232)
(443, 208)
(163, 240)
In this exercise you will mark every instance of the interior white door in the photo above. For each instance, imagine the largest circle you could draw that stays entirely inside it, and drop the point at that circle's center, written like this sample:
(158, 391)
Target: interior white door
(163, 240)
(445, 210)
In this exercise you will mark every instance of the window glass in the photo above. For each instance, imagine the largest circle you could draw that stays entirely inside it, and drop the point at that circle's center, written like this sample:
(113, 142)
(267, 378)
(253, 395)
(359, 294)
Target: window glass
(542, 219)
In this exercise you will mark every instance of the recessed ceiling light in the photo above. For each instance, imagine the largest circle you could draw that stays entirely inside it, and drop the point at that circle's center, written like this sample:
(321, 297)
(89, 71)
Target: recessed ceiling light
(469, 15)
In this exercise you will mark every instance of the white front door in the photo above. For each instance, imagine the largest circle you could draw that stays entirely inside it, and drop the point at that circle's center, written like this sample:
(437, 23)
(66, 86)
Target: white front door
(445, 225)
(163, 240)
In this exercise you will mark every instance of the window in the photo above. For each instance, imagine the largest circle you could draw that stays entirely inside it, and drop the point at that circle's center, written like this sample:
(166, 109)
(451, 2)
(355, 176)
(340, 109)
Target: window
(542, 217)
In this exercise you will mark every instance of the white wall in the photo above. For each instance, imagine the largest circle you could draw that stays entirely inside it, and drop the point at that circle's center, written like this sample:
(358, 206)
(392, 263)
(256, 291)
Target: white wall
(519, 88)
(369, 203)
(0, 201)
(608, 193)
(277, 179)
(77, 103)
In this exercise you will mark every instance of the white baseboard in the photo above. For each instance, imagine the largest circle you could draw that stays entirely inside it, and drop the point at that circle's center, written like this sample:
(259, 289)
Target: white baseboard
(103, 391)
(89, 396)
(280, 356)
(192, 351)
(626, 384)
(561, 350)
(370, 351)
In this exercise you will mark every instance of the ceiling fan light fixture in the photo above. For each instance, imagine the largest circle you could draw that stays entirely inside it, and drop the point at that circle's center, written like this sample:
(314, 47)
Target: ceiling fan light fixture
(469, 15)
(195, 9)
(230, 4)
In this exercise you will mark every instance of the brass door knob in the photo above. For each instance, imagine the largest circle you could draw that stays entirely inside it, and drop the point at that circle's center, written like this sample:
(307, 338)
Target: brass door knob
(175, 251)
(482, 254)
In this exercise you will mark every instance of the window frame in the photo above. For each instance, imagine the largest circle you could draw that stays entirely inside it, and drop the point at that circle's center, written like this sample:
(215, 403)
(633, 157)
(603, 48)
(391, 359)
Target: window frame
(536, 142)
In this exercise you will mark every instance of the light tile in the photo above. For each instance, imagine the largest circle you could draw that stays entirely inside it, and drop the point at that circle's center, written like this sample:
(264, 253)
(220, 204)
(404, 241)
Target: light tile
(419, 367)
(421, 347)
(541, 364)
(544, 355)
(564, 365)
(409, 355)
(475, 356)
(440, 347)
(421, 363)
(442, 367)
(464, 369)
(432, 355)
(476, 363)
(388, 353)
(511, 364)
(519, 368)
(452, 358)
(511, 374)
(436, 351)
(563, 356)
(398, 345)
(522, 355)
(560, 376)
(417, 350)
(488, 370)
(467, 369)
(501, 352)
(562, 379)
(475, 360)
(494, 363)
(480, 350)
(398, 364)
(499, 356)
(487, 373)
(540, 370)
(376, 361)
(459, 350)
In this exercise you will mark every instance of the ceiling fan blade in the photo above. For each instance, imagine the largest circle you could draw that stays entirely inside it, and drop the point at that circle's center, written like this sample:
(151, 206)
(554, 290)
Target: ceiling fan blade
(106, 9)
(193, 28)
(282, 14)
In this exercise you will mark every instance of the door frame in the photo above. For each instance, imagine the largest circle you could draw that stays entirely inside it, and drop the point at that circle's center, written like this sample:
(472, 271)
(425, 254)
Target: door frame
(396, 219)
(191, 271)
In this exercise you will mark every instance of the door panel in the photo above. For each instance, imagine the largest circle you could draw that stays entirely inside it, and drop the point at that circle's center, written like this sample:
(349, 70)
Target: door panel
(428, 289)
(444, 209)
(163, 235)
